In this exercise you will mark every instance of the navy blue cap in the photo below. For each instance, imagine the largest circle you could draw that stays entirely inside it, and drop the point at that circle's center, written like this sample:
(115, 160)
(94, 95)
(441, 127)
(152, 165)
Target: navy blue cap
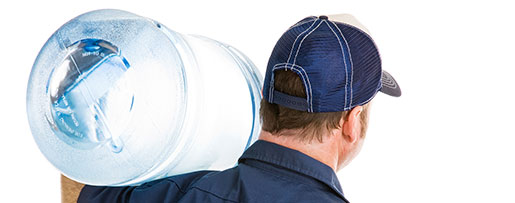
(338, 63)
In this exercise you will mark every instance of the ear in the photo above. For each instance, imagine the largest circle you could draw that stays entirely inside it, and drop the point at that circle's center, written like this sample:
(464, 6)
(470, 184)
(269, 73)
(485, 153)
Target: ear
(351, 128)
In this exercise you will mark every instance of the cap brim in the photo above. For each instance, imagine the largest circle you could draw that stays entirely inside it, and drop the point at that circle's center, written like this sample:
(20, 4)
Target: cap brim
(390, 86)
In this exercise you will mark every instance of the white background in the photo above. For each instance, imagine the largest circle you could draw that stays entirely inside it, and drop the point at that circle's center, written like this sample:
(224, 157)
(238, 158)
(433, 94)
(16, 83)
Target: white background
(449, 138)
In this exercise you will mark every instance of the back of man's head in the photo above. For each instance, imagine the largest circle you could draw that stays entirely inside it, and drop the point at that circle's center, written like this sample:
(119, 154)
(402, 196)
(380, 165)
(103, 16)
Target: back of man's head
(312, 126)
(320, 79)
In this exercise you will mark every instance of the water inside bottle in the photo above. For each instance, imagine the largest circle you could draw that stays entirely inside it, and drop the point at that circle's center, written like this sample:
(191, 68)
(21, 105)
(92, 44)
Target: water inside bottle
(89, 95)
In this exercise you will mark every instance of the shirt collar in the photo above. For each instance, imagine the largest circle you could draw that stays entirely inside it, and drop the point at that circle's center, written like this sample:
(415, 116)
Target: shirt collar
(294, 160)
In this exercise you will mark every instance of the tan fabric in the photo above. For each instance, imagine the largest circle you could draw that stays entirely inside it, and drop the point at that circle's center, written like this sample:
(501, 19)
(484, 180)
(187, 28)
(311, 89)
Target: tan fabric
(348, 19)
(70, 190)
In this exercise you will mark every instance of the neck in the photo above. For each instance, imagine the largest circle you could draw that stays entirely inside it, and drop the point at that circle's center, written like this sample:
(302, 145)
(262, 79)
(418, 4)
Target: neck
(325, 152)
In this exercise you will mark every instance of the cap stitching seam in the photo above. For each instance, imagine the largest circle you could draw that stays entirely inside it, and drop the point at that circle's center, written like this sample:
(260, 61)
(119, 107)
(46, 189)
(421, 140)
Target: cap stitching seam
(301, 41)
(310, 97)
(350, 58)
(389, 80)
(271, 88)
(368, 100)
(295, 42)
(297, 25)
(304, 77)
(344, 63)
(367, 35)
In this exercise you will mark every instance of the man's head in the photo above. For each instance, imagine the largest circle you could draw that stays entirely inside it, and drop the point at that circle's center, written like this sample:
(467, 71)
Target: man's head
(312, 126)
(321, 76)
(347, 127)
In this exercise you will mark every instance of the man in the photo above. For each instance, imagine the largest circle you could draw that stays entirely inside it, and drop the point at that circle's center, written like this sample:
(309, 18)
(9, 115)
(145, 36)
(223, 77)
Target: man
(320, 79)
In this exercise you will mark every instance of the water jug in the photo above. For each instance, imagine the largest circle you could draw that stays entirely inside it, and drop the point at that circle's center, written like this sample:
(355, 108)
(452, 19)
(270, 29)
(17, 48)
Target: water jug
(119, 99)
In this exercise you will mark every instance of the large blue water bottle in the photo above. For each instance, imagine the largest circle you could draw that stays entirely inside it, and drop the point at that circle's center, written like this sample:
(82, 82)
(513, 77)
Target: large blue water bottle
(119, 99)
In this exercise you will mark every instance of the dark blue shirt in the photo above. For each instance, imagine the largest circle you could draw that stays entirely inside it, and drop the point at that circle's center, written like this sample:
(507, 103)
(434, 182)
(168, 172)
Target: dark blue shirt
(266, 172)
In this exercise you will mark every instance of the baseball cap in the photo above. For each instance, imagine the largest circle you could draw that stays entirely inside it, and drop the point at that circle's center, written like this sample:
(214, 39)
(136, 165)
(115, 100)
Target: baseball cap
(337, 62)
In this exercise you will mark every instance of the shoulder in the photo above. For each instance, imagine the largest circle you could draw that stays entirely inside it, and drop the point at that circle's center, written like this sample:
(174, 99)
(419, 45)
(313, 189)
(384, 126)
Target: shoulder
(245, 183)
(170, 189)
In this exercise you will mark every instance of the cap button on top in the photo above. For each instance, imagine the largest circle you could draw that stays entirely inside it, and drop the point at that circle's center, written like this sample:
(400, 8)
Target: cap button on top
(323, 17)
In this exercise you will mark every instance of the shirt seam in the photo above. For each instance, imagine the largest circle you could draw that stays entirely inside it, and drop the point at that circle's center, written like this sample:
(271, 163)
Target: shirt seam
(307, 172)
(177, 185)
(282, 178)
(293, 181)
(212, 194)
